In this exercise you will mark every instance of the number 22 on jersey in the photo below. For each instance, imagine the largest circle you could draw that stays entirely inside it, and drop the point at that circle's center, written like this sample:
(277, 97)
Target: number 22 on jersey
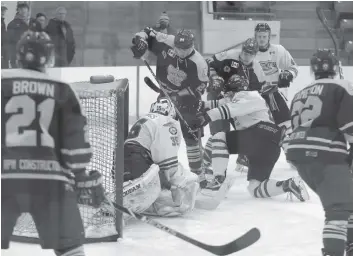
(23, 110)
(303, 113)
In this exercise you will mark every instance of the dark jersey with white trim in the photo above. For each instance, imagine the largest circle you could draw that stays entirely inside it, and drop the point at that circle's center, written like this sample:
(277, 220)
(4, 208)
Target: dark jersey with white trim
(226, 64)
(176, 74)
(44, 130)
(322, 122)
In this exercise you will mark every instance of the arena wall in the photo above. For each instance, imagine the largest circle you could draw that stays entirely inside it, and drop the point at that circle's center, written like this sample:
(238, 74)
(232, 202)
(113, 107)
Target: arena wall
(141, 96)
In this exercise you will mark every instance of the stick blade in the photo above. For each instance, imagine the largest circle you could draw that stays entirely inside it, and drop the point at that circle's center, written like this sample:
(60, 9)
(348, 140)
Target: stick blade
(246, 240)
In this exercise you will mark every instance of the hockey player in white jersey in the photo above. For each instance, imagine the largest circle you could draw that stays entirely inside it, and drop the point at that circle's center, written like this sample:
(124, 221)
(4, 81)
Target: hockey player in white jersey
(155, 183)
(280, 70)
(256, 136)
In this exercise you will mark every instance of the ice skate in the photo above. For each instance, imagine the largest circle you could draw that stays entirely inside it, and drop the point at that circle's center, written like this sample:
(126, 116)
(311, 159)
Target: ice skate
(296, 187)
(215, 190)
(242, 164)
(349, 249)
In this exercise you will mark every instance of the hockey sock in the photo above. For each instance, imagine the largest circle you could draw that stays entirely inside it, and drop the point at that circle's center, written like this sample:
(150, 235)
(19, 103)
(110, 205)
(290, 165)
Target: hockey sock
(194, 155)
(77, 251)
(350, 229)
(267, 188)
(220, 154)
(207, 154)
(334, 237)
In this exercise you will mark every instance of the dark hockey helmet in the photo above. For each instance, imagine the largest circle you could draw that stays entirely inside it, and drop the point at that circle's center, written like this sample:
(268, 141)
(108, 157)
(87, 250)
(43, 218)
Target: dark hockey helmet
(35, 50)
(250, 46)
(262, 27)
(324, 63)
(184, 39)
(236, 83)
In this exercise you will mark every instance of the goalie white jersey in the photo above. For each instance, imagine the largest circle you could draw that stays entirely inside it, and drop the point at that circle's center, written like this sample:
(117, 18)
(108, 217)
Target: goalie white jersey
(274, 60)
(161, 136)
(246, 108)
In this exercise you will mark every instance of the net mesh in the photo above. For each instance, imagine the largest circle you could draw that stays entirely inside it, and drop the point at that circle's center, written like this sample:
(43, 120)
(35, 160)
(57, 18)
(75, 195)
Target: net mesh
(104, 107)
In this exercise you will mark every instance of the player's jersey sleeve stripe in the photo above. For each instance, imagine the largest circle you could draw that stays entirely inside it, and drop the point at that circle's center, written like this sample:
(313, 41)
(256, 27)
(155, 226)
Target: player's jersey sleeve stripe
(79, 151)
(77, 166)
(346, 126)
(316, 147)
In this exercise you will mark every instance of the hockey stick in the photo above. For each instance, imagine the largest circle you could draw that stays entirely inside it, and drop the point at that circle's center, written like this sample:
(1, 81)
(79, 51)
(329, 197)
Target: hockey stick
(151, 85)
(242, 242)
(330, 31)
(168, 97)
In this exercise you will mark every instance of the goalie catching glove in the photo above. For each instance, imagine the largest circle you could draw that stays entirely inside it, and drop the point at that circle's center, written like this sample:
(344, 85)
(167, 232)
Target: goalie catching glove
(89, 188)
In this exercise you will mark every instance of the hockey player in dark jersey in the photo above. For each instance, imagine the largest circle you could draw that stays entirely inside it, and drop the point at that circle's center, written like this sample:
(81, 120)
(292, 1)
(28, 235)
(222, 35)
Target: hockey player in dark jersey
(322, 123)
(181, 70)
(45, 150)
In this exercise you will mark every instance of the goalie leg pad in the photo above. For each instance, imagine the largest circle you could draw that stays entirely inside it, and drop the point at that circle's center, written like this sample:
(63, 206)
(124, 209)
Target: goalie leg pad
(180, 199)
(139, 194)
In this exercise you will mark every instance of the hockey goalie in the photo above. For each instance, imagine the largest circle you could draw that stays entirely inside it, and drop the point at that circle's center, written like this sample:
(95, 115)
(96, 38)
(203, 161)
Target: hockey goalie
(155, 183)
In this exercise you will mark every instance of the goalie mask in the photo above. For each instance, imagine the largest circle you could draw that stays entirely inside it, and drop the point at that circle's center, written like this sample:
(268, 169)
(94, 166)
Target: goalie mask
(164, 107)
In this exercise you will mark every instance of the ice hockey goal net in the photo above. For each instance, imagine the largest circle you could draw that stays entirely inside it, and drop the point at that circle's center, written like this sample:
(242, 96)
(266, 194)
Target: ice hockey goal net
(106, 107)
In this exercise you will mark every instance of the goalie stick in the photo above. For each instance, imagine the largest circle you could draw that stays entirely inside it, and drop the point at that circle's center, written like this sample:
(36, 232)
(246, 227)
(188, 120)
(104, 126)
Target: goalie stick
(242, 242)
(168, 97)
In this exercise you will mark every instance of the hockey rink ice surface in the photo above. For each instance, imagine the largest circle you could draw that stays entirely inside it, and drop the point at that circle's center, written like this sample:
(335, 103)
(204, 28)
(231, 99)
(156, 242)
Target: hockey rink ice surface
(290, 228)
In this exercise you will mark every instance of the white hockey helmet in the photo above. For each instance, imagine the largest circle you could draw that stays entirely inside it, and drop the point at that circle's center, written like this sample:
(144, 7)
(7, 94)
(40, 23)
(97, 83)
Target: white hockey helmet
(164, 107)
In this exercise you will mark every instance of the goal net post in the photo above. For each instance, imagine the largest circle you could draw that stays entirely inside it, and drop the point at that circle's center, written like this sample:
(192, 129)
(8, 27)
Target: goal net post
(106, 106)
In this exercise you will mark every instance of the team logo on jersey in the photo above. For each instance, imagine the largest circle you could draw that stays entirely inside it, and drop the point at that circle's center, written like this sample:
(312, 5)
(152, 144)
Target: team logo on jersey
(269, 67)
(234, 64)
(171, 53)
(164, 54)
(325, 66)
(173, 130)
(226, 69)
(175, 75)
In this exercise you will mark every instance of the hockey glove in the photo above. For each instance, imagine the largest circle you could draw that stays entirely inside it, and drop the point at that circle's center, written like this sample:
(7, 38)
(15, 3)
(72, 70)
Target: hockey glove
(150, 32)
(285, 78)
(89, 188)
(202, 119)
(139, 47)
(216, 84)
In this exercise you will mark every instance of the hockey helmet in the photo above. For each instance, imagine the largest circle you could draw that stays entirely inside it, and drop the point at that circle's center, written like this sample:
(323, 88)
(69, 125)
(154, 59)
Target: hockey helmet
(324, 63)
(250, 46)
(262, 27)
(35, 50)
(263, 40)
(236, 83)
(164, 107)
(184, 43)
(184, 39)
